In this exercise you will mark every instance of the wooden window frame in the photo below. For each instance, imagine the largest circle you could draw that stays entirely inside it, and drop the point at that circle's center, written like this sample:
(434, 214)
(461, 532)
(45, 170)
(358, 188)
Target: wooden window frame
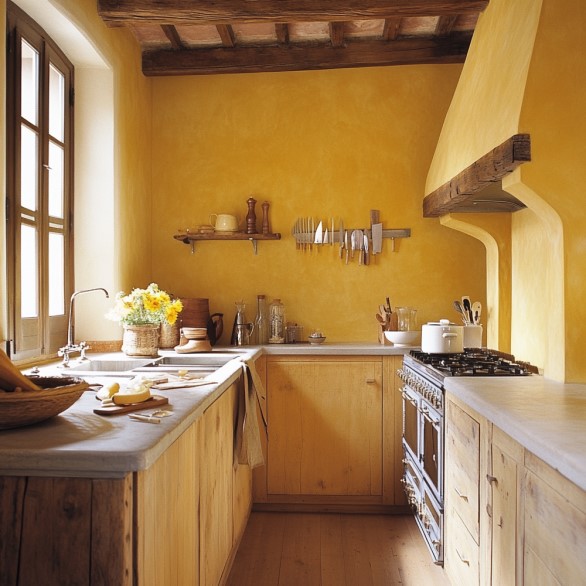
(41, 336)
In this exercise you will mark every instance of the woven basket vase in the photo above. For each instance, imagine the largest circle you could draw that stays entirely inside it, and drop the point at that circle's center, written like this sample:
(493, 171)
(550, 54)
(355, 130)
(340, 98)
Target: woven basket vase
(169, 335)
(141, 340)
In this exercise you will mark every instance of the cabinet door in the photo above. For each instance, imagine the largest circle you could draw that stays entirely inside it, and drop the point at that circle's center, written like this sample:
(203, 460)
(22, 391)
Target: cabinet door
(555, 527)
(216, 497)
(503, 481)
(325, 427)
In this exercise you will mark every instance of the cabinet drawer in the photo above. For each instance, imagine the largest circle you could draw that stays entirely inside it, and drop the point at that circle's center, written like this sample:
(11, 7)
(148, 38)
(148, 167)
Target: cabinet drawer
(462, 553)
(463, 466)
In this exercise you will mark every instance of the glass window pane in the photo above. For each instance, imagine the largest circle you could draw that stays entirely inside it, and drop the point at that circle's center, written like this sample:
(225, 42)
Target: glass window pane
(56, 274)
(56, 103)
(29, 83)
(28, 271)
(28, 168)
(56, 180)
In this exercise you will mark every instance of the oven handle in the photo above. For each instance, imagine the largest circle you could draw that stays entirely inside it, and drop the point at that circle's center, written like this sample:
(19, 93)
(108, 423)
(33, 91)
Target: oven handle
(408, 398)
(427, 415)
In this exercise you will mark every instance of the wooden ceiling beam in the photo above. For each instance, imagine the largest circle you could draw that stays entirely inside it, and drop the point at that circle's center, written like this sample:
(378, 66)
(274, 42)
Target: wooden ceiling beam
(337, 34)
(487, 170)
(116, 12)
(306, 57)
(173, 36)
(226, 34)
(391, 29)
(445, 24)
(282, 31)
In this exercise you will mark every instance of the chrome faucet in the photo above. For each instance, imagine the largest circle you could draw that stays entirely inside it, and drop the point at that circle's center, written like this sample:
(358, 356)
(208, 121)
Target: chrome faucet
(71, 347)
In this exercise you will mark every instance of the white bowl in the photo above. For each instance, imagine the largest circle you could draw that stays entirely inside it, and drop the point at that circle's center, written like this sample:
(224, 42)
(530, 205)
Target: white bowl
(402, 338)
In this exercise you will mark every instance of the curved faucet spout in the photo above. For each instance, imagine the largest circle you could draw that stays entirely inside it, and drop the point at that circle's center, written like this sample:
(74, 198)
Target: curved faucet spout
(70, 337)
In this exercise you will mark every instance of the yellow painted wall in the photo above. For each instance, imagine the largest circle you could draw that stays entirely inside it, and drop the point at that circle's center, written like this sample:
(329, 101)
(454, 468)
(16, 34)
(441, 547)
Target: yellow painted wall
(553, 110)
(321, 144)
(524, 73)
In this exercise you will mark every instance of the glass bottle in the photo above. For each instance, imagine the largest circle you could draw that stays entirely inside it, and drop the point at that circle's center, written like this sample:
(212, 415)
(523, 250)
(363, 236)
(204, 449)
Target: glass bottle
(277, 322)
(261, 321)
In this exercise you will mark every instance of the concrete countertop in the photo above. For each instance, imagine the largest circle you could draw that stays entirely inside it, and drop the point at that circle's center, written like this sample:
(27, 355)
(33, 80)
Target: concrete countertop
(546, 417)
(80, 443)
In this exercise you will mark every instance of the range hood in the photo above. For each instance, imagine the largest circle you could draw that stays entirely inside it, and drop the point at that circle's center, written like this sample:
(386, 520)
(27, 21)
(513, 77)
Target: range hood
(478, 188)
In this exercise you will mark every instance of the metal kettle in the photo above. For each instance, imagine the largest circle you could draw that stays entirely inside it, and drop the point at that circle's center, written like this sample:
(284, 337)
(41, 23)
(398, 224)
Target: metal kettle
(242, 329)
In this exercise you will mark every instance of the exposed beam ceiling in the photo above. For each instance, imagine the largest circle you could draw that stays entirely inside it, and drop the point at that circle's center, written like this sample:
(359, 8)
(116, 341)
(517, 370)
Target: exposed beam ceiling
(193, 37)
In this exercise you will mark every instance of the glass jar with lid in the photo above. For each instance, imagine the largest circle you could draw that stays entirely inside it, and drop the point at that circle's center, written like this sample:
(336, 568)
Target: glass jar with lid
(276, 322)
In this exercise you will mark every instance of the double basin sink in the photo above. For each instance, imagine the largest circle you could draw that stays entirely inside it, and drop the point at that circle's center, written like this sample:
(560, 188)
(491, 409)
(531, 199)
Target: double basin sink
(202, 363)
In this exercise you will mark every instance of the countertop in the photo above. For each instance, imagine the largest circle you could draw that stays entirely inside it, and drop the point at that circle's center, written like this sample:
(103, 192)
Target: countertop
(546, 417)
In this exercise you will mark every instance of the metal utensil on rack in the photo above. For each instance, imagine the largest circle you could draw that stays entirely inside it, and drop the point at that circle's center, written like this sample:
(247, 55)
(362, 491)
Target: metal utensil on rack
(460, 309)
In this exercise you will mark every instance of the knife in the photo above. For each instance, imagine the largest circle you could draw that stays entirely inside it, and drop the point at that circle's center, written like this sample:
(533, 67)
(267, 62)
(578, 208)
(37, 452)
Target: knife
(366, 255)
(341, 237)
(346, 245)
(326, 237)
(359, 239)
(352, 243)
(332, 231)
(377, 238)
(318, 239)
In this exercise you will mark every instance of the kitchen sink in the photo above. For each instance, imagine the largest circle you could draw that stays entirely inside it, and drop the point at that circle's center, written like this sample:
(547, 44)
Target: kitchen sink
(100, 366)
(201, 363)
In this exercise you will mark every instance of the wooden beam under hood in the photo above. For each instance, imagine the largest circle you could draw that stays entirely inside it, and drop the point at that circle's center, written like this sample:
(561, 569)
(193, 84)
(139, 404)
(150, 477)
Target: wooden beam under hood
(459, 193)
(301, 57)
(121, 12)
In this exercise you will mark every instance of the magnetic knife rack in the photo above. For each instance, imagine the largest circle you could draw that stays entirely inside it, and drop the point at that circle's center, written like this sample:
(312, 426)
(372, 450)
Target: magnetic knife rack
(391, 233)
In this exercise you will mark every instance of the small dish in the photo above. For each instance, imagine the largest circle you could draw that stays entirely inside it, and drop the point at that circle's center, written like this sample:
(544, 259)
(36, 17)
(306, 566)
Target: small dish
(316, 339)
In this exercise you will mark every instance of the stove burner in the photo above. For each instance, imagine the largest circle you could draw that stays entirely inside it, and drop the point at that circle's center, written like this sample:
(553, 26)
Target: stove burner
(474, 362)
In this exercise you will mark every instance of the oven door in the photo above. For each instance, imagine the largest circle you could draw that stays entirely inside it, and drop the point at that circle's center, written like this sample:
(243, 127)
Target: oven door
(411, 422)
(431, 522)
(432, 448)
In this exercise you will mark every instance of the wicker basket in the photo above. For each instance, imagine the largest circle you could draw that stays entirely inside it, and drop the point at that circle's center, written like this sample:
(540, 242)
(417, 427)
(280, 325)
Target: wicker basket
(28, 407)
(169, 335)
(141, 340)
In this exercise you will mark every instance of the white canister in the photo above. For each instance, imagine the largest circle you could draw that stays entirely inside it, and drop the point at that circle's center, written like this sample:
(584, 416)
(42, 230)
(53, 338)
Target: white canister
(472, 336)
(442, 337)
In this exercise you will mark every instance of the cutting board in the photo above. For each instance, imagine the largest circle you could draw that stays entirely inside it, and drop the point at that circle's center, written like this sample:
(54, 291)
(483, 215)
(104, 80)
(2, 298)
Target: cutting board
(154, 401)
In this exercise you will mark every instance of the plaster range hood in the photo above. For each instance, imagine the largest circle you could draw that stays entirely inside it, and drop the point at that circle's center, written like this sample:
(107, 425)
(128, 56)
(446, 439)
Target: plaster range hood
(478, 189)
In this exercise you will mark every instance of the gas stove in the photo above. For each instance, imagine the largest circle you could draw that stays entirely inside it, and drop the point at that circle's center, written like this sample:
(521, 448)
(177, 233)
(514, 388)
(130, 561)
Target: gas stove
(472, 362)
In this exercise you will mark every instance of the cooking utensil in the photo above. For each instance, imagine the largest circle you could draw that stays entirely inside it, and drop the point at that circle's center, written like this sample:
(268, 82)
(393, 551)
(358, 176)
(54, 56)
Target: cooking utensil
(346, 245)
(326, 237)
(359, 241)
(442, 337)
(460, 309)
(467, 305)
(476, 312)
(377, 238)
(366, 254)
(318, 237)
(332, 231)
(341, 230)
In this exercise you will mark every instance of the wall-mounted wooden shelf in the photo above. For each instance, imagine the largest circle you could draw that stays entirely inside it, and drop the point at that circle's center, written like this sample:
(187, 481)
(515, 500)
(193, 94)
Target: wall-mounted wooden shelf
(191, 238)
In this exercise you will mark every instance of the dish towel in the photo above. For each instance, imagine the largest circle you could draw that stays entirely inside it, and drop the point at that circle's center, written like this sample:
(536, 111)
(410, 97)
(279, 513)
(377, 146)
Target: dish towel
(248, 448)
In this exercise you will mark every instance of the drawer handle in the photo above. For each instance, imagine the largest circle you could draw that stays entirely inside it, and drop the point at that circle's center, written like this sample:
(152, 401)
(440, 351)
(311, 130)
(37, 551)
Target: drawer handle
(462, 496)
(462, 559)
(370, 381)
(492, 479)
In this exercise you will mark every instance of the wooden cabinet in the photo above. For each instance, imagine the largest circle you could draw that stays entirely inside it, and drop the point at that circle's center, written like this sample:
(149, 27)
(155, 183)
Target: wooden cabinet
(325, 427)
(521, 524)
(462, 496)
(177, 522)
(506, 459)
(554, 527)
(334, 436)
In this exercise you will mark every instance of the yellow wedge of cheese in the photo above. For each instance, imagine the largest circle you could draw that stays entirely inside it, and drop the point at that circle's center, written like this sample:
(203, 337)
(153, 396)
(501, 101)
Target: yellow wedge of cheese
(141, 394)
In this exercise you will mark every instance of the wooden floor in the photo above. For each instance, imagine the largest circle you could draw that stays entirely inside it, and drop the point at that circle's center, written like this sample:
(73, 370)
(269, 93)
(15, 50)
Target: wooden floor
(298, 549)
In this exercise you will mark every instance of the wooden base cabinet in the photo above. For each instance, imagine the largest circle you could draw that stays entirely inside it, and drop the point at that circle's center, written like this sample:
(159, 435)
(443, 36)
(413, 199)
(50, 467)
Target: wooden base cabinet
(333, 431)
(523, 524)
(178, 522)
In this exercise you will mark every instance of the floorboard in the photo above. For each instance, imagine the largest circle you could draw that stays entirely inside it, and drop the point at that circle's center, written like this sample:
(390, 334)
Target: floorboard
(304, 549)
